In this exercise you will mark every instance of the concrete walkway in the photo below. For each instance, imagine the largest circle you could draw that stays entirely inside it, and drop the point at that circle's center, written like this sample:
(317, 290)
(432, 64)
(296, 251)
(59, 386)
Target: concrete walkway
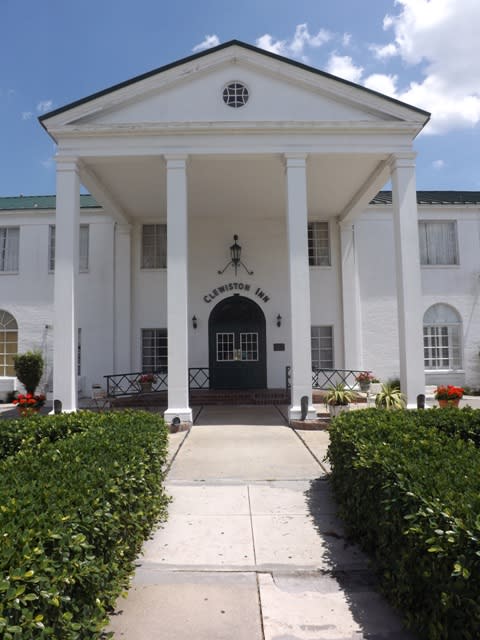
(252, 549)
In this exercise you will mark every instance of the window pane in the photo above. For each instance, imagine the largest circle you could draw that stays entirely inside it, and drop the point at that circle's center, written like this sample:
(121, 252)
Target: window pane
(9, 244)
(154, 246)
(51, 247)
(322, 347)
(249, 347)
(318, 244)
(8, 343)
(84, 247)
(154, 349)
(438, 242)
(442, 344)
(225, 347)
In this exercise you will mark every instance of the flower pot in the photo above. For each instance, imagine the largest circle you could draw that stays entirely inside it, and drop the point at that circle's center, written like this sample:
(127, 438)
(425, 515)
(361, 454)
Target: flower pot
(146, 387)
(449, 403)
(337, 409)
(364, 386)
(27, 411)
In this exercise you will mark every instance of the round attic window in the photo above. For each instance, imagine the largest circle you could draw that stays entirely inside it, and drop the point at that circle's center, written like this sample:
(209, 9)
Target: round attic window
(235, 94)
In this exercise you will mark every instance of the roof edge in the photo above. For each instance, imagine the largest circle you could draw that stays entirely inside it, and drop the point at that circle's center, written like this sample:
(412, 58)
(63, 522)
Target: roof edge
(220, 47)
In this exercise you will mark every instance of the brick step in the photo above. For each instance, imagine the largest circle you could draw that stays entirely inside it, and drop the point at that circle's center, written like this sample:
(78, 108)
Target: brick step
(209, 397)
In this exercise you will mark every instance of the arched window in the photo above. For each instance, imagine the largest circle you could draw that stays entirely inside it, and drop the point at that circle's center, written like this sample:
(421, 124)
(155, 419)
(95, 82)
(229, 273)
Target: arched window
(8, 343)
(442, 338)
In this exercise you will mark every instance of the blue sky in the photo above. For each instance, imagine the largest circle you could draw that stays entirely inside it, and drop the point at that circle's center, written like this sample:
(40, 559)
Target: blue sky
(422, 51)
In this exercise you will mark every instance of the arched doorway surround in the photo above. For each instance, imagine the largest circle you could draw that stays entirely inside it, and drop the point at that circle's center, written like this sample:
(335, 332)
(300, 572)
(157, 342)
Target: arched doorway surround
(237, 345)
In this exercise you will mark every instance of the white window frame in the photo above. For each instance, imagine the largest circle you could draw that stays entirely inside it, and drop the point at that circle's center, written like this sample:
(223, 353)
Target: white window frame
(428, 235)
(318, 361)
(8, 336)
(157, 356)
(319, 252)
(153, 250)
(442, 343)
(83, 248)
(9, 249)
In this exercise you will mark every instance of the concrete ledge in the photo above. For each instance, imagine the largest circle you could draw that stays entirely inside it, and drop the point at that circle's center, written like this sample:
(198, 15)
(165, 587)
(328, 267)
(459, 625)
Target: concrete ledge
(310, 425)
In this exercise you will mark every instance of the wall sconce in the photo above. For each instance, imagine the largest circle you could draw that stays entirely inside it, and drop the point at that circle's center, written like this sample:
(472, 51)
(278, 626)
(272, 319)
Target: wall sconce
(279, 320)
(194, 322)
(235, 258)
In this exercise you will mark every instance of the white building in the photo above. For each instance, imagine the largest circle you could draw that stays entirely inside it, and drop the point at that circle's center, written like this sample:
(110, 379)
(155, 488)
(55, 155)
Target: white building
(236, 141)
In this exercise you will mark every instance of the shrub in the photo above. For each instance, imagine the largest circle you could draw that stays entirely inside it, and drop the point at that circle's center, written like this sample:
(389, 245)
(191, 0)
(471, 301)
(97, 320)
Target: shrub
(390, 397)
(27, 433)
(29, 369)
(409, 495)
(74, 515)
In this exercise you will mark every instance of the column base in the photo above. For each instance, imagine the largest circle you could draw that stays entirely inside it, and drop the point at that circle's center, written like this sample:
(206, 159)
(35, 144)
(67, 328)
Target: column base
(184, 415)
(295, 413)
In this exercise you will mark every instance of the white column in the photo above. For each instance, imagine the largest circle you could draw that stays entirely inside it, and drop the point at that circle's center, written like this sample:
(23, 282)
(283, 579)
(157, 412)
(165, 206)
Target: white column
(351, 299)
(177, 289)
(123, 299)
(297, 230)
(409, 295)
(67, 224)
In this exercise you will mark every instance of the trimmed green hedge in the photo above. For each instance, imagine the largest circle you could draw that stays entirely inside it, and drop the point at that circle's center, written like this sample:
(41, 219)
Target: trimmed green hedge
(73, 516)
(25, 433)
(410, 495)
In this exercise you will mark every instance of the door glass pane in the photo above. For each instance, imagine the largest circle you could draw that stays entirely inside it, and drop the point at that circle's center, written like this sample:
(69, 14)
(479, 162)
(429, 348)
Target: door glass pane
(225, 347)
(249, 346)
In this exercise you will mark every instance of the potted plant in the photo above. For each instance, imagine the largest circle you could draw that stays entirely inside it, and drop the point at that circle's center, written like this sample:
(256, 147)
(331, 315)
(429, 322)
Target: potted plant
(29, 403)
(338, 397)
(390, 397)
(146, 380)
(448, 395)
(364, 379)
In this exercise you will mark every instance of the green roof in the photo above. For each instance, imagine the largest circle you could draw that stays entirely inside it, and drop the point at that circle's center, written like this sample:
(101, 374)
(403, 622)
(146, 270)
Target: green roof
(434, 197)
(20, 203)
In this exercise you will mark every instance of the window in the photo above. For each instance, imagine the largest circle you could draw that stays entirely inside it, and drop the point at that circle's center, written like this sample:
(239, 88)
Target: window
(318, 244)
(154, 349)
(442, 344)
(438, 242)
(9, 240)
(154, 246)
(8, 343)
(84, 247)
(322, 347)
(235, 94)
(225, 347)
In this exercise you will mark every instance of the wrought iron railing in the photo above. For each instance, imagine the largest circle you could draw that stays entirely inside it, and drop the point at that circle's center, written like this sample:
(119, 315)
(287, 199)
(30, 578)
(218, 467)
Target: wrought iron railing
(325, 378)
(127, 384)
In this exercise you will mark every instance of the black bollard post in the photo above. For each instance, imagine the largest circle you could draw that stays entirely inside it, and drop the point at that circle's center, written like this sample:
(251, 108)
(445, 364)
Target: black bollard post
(57, 407)
(304, 407)
(421, 401)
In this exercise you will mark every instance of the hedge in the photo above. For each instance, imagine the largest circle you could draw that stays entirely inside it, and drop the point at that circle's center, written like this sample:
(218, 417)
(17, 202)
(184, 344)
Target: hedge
(409, 494)
(73, 516)
(25, 433)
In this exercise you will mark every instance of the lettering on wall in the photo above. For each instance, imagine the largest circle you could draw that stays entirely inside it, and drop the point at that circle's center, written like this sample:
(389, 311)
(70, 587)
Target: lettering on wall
(237, 287)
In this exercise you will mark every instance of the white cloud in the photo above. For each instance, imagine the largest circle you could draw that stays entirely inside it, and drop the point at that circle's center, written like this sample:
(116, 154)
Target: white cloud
(346, 39)
(27, 115)
(384, 51)
(297, 45)
(382, 83)
(208, 43)
(274, 46)
(438, 164)
(438, 36)
(344, 67)
(44, 105)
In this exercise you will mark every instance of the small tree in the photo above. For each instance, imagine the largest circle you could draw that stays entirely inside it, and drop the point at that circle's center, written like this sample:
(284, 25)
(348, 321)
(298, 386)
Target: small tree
(29, 369)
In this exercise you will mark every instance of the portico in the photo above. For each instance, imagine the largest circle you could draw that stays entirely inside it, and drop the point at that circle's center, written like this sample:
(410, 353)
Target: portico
(167, 149)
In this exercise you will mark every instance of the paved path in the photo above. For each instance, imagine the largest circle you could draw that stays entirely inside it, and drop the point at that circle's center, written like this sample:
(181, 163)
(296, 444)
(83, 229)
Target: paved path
(252, 549)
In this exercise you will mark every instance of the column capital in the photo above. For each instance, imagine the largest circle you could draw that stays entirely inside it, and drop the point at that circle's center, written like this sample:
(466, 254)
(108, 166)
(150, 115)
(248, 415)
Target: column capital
(123, 229)
(176, 160)
(67, 163)
(295, 160)
(403, 160)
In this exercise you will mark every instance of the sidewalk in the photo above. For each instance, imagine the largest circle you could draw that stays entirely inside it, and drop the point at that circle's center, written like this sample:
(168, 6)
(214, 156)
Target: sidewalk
(252, 549)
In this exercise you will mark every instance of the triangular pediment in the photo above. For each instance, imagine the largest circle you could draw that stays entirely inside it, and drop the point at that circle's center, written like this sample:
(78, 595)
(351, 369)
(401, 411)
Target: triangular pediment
(191, 91)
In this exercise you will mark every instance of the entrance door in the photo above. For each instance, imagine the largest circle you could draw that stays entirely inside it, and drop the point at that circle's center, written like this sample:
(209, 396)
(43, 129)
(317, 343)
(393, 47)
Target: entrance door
(237, 345)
